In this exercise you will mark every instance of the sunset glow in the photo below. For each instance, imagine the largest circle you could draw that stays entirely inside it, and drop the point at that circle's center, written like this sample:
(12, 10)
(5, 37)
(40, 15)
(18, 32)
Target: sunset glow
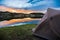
(17, 10)
(14, 10)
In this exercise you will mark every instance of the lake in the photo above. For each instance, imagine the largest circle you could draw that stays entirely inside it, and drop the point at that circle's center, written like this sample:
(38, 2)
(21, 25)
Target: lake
(22, 23)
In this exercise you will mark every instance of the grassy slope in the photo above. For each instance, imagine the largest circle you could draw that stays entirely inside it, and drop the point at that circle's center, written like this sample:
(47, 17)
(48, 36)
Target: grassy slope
(22, 32)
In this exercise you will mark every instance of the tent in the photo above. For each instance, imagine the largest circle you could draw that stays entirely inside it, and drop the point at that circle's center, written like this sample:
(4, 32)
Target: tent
(49, 26)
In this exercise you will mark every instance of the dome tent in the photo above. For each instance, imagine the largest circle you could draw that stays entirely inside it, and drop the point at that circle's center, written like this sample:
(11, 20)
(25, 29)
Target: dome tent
(49, 27)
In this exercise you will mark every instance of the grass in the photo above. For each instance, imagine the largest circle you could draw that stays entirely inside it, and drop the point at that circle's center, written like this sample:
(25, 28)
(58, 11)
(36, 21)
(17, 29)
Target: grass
(22, 32)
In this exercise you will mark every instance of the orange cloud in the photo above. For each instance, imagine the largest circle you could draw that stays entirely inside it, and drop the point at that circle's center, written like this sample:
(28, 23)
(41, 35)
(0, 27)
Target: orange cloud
(15, 10)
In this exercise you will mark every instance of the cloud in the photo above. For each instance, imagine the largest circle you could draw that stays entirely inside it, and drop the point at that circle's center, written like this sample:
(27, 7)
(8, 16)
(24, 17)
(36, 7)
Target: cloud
(34, 1)
(17, 3)
(25, 3)
(43, 5)
(33, 4)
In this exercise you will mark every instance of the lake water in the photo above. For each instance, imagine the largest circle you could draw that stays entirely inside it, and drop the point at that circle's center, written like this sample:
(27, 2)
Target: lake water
(22, 23)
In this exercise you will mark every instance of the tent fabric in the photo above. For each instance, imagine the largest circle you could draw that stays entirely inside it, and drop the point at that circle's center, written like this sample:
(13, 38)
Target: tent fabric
(54, 20)
(48, 28)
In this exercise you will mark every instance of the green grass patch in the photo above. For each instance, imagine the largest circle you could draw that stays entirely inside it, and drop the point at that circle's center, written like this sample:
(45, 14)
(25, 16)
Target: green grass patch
(22, 32)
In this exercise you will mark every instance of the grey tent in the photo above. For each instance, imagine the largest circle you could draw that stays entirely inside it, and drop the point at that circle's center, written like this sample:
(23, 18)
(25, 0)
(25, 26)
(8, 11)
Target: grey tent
(49, 27)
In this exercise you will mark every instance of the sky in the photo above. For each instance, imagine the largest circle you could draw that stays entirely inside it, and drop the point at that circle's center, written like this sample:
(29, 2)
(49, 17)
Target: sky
(31, 4)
